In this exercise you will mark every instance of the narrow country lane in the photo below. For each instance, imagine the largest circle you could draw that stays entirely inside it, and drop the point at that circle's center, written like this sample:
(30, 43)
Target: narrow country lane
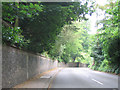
(83, 78)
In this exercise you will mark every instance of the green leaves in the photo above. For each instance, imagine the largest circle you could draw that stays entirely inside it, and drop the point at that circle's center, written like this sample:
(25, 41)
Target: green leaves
(44, 25)
(13, 37)
(69, 45)
(20, 9)
(109, 41)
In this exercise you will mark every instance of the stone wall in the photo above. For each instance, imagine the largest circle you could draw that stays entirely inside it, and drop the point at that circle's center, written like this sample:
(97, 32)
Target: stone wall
(71, 64)
(19, 66)
(75, 64)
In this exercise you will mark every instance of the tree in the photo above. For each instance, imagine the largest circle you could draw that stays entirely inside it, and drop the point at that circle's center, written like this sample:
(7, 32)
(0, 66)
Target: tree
(109, 37)
(39, 25)
(43, 29)
(69, 44)
(12, 13)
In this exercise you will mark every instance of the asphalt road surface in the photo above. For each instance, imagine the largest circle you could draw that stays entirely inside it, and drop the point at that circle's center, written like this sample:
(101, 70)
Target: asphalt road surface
(83, 78)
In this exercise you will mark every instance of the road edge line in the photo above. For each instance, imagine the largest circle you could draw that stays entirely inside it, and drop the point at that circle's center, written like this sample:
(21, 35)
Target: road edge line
(49, 86)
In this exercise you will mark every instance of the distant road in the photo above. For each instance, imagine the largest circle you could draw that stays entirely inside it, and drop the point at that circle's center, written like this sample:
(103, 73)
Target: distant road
(83, 78)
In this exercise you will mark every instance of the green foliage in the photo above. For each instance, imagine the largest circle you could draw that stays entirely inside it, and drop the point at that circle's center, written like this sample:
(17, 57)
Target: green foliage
(12, 10)
(104, 66)
(12, 36)
(42, 30)
(109, 40)
(69, 46)
(48, 28)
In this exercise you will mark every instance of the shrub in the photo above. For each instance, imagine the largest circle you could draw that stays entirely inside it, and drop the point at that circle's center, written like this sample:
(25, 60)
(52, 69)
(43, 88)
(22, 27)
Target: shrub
(13, 37)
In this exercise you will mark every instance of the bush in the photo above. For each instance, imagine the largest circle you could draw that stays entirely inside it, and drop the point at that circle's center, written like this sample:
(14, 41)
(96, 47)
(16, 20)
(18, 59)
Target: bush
(117, 71)
(13, 37)
(104, 66)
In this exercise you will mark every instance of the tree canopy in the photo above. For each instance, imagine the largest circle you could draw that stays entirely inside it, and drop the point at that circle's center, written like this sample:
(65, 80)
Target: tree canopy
(60, 30)
(71, 43)
(106, 52)
(40, 23)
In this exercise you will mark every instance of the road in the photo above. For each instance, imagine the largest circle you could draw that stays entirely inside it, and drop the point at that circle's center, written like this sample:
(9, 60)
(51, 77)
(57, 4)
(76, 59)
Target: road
(83, 78)
(73, 78)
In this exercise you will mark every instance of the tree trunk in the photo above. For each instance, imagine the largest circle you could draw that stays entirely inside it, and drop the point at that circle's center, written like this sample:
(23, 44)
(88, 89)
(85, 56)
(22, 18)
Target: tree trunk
(17, 19)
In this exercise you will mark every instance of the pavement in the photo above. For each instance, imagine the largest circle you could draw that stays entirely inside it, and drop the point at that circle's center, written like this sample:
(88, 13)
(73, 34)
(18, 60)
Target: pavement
(40, 81)
(73, 78)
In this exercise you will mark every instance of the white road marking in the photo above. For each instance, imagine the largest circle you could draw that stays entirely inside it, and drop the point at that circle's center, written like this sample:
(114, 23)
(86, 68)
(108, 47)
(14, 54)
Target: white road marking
(97, 81)
(45, 77)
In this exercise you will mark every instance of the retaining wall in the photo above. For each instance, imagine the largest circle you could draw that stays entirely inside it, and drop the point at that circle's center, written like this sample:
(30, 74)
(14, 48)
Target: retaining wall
(19, 66)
